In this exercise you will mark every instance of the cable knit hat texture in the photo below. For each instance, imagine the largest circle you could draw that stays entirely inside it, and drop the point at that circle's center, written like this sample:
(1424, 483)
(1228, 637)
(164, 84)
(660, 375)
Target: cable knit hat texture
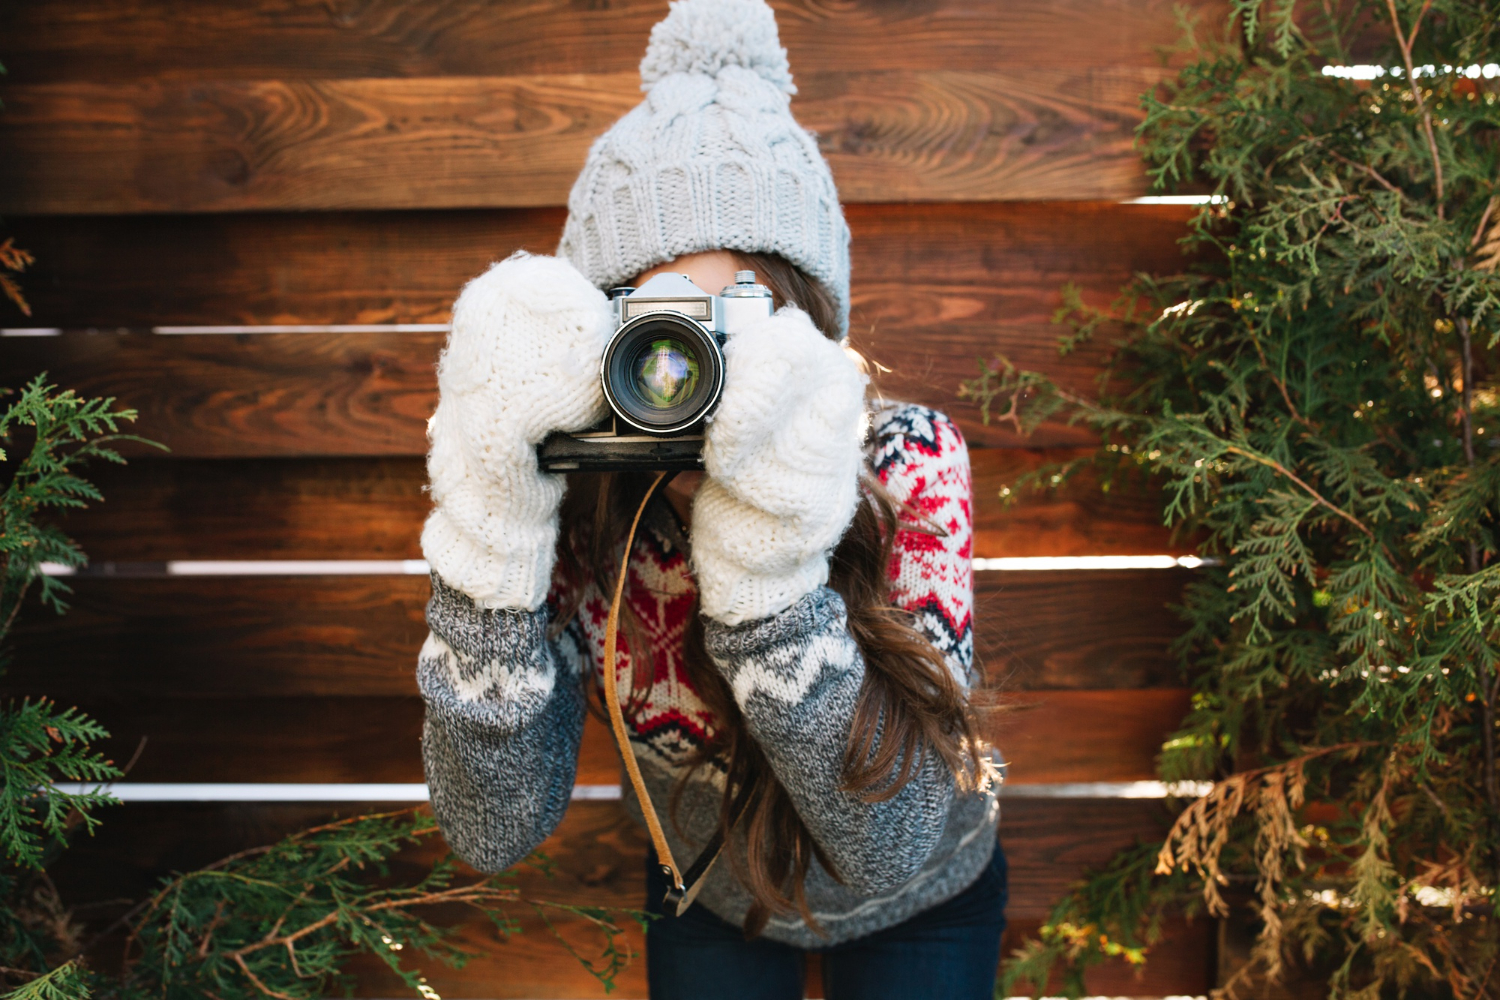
(711, 159)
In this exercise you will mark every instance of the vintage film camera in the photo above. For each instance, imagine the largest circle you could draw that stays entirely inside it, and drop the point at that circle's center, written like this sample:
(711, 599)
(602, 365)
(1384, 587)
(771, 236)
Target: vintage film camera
(662, 371)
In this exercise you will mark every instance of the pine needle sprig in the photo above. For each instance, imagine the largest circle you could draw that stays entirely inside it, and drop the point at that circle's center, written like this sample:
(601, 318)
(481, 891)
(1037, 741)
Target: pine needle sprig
(40, 744)
(69, 981)
(66, 432)
(283, 921)
(39, 747)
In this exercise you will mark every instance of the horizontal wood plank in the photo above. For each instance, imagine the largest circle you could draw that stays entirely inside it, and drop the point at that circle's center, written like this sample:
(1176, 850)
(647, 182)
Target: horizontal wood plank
(311, 679)
(1050, 843)
(926, 264)
(1063, 736)
(120, 40)
(318, 508)
(598, 851)
(1077, 630)
(157, 146)
(255, 395)
(1048, 737)
(226, 637)
(597, 859)
(160, 509)
(1072, 518)
(493, 141)
(937, 288)
(359, 635)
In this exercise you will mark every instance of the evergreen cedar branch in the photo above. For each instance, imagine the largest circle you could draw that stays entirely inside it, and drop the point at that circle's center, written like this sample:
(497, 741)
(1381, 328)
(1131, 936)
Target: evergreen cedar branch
(278, 922)
(1315, 397)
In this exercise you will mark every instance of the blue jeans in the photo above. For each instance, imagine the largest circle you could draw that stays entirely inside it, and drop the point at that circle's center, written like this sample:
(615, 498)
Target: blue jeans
(949, 951)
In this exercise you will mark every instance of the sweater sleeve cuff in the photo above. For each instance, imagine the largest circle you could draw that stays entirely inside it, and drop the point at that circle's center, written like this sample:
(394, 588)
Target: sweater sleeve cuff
(477, 654)
(477, 631)
(809, 614)
(780, 645)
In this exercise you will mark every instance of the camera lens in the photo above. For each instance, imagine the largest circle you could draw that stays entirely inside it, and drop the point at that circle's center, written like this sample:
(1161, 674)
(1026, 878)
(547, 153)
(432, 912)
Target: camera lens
(662, 373)
(665, 373)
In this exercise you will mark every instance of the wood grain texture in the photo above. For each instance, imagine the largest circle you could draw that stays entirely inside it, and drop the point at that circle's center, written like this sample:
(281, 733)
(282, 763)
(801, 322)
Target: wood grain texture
(1048, 737)
(160, 509)
(248, 637)
(346, 739)
(227, 637)
(597, 851)
(939, 287)
(326, 267)
(1062, 736)
(157, 146)
(1077, 630)
(119, 40)
(987, 264)
(342, 739)
(1075, 518)
(936, 288)
(492, 141)
(597, 856)
(1052, 842)
(314, 508)
(254, 394)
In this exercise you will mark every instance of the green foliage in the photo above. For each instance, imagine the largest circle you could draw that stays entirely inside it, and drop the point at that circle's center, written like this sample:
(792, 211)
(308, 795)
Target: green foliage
(65, 433)
(66, 982)
(284, 921)
(1315, 398)
(39, 746)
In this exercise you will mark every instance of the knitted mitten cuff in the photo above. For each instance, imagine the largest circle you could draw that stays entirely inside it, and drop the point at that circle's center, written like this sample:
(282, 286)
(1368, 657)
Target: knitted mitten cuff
(522, 361)
(783, 457)
(749, 565)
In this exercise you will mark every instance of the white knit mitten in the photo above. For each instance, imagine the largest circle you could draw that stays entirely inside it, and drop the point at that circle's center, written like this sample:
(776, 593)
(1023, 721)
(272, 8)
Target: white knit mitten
(783, 457)
(522, 361)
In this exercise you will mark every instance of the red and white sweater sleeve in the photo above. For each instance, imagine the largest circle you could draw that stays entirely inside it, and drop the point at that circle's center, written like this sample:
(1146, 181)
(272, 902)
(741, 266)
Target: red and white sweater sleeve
(920, 456)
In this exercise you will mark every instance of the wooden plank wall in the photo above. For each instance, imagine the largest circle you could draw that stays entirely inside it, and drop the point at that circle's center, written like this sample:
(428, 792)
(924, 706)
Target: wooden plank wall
(291, 162)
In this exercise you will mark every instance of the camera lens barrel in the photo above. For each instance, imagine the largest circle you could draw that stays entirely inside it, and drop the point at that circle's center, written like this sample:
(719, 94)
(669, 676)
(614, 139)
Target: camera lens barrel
(662, 373)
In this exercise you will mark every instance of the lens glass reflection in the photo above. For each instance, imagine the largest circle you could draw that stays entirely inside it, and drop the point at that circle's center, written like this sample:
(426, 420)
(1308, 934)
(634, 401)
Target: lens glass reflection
(664, 373)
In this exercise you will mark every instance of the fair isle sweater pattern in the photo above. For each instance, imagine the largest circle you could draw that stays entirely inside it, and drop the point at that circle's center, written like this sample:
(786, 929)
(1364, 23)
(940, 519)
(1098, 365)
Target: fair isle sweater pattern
(505, 710)
(919, 456)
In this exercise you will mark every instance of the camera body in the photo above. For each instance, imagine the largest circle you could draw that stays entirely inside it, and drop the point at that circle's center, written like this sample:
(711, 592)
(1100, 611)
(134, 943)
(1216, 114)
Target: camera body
(662, 374)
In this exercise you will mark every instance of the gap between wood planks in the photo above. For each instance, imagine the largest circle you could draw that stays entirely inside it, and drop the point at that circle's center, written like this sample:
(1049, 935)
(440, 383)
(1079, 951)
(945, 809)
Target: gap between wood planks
(141, 791)
(418, 567)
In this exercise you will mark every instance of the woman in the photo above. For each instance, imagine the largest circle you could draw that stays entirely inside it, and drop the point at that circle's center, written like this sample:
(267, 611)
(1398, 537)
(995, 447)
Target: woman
(796, 632)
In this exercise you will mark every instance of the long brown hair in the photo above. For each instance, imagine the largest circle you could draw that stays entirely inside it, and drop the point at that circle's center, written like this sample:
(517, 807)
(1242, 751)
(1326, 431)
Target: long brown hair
(909, 698)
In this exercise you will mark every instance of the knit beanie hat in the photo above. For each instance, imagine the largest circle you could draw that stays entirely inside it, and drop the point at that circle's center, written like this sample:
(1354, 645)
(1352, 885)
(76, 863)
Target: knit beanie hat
(711, 159)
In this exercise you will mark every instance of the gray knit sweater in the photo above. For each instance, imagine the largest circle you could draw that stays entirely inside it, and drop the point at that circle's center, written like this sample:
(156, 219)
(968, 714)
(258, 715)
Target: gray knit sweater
(506, 705)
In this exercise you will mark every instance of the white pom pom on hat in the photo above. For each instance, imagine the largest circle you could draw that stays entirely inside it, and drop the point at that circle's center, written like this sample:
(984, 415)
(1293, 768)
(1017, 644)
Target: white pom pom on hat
(704, 36)
(711, 160)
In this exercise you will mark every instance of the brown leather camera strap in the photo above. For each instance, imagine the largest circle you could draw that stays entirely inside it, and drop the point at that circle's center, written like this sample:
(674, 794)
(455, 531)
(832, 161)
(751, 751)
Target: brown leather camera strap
(681, 889)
